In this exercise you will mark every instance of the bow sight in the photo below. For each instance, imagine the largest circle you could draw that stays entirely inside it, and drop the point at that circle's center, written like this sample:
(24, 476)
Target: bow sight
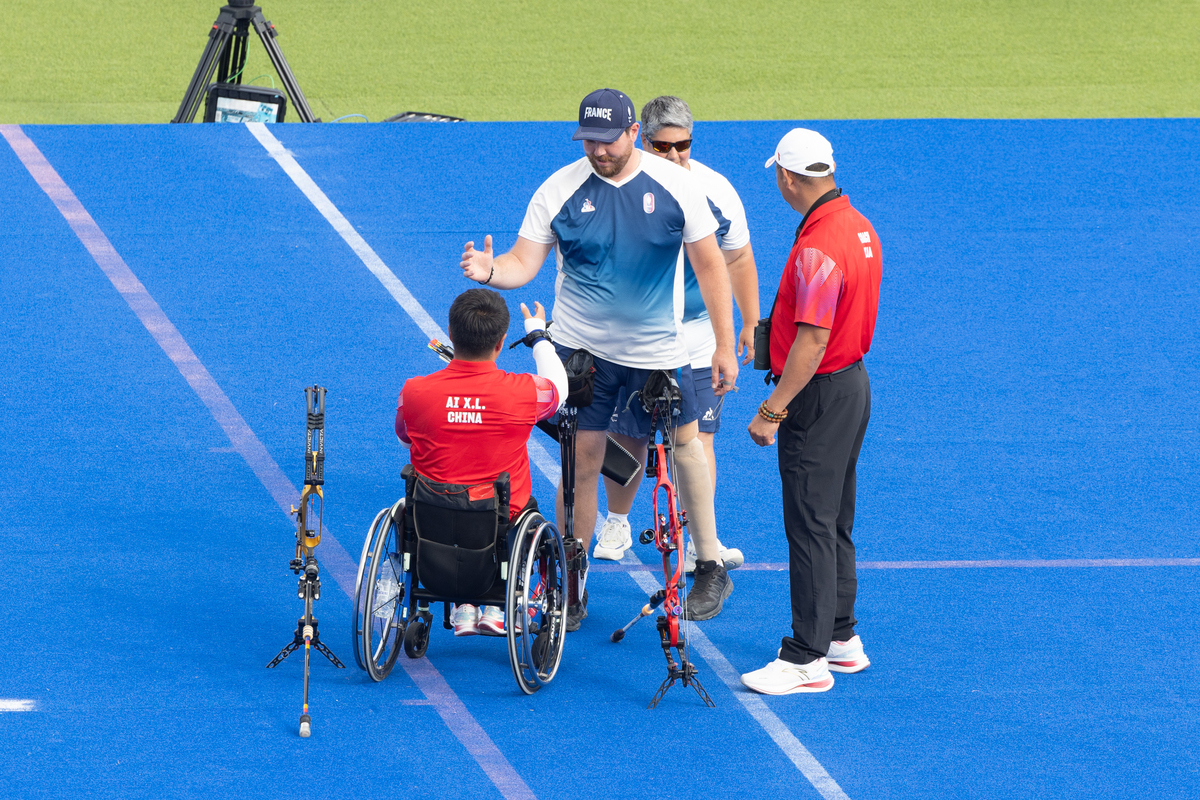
(308, 536)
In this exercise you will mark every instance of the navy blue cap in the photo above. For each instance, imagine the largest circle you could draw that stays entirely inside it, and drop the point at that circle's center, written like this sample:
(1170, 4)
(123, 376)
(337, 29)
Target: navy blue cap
(604, 115)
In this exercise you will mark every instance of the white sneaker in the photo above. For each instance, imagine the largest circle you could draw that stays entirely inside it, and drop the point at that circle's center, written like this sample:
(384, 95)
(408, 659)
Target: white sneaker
(848, 656)
(465, 620)
(784, 677)
(613, 541)
(732, 557)
(491, 621)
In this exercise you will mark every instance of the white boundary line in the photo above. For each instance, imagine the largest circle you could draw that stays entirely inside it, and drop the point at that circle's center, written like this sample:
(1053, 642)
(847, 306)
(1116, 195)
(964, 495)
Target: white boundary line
(775, 728)
(17, 705)
(1060, 563)
(338, 562)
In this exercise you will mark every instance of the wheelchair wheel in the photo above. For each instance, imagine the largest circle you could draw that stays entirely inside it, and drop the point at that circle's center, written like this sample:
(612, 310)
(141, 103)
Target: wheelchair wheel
(416, 637)
(360, 597)
(382, 585)
(536, 603)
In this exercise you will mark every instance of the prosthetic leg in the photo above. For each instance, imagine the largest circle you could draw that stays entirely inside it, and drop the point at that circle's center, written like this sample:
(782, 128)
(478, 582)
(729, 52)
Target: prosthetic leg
(308, 536)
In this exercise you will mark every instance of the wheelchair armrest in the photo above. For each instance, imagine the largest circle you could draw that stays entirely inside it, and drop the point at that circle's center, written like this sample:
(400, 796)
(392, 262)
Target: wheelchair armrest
(409, 474)
(502, 486)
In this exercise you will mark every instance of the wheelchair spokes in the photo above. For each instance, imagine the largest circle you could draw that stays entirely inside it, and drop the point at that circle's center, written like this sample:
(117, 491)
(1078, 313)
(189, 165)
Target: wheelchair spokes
(536, 600)
(381, 592)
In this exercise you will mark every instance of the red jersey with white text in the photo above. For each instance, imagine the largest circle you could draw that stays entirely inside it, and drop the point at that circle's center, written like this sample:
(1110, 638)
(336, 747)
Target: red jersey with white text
(831, 281)
(469, 422)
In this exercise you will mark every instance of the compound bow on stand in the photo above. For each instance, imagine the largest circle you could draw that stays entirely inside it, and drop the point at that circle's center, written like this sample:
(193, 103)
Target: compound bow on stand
(308, 536)
(661, 399)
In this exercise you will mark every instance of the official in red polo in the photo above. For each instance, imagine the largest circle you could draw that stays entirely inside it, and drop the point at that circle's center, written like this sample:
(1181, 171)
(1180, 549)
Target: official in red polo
(821, 327)
(471, 421)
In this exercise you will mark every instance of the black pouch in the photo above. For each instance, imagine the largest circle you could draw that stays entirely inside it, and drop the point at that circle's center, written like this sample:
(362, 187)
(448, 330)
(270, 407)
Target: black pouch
(581, 378)
(659, 383)
(762, 344)
(458, 537)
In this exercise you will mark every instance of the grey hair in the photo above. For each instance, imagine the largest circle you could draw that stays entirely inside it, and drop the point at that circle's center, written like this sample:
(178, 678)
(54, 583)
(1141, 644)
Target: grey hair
(667, 111)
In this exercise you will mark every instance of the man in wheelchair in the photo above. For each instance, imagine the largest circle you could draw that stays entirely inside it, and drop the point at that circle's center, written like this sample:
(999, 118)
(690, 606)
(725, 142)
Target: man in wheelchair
(470, 422)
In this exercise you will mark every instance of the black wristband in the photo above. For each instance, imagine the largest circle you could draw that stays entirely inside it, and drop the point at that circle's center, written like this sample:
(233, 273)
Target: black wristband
(491, 275)
(532, 338)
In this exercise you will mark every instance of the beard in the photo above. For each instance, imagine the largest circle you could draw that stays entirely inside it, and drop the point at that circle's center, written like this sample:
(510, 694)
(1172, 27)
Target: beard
(610, 166)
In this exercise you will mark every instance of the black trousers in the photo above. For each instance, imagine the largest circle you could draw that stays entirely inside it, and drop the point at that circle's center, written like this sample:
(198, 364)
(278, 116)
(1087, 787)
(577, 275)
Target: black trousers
(819, 443)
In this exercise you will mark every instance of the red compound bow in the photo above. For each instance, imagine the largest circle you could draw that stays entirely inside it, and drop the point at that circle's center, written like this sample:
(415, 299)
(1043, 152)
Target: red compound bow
(660, 398)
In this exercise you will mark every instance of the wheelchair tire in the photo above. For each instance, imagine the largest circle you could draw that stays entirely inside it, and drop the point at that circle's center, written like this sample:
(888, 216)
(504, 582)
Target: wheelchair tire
(416, 637)
(360, 598)
(382, 585)
(536, 603)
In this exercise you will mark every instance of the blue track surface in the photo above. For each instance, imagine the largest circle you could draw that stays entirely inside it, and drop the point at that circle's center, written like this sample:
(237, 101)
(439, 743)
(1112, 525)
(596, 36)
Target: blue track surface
(1035, 376)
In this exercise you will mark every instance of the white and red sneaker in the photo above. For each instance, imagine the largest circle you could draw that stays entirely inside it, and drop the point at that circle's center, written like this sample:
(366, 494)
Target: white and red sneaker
(465, 620)
(491, 621)
(784, 677)
(848, 656)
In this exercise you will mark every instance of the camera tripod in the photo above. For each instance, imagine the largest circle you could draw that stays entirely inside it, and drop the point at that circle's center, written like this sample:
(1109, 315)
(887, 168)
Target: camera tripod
(226, 53)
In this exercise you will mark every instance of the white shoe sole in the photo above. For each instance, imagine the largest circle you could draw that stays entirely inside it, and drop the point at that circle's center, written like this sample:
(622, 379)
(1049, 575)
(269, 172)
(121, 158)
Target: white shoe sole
(805, 688)
(850, 666)
(605, 554)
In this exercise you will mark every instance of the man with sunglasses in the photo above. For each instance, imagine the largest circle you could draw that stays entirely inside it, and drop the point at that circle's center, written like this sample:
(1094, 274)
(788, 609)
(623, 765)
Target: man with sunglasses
(667, 132)
(619, 223)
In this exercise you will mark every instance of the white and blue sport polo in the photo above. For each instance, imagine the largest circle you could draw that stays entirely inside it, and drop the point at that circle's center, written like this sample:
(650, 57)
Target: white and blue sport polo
(619, 249)
(732, 234)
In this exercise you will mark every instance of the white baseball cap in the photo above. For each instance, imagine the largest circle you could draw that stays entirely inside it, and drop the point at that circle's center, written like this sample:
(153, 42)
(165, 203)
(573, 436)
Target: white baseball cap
(800, 150)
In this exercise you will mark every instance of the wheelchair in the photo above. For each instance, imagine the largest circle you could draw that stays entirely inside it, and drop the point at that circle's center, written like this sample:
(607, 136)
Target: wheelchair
(449, 543)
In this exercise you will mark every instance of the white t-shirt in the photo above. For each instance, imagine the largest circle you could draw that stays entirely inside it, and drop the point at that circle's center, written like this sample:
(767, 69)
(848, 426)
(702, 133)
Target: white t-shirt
(619, 248)
(732, 234)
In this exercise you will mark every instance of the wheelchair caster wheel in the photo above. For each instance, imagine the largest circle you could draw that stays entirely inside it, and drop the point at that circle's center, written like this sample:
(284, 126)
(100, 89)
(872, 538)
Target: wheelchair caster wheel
(416, 638)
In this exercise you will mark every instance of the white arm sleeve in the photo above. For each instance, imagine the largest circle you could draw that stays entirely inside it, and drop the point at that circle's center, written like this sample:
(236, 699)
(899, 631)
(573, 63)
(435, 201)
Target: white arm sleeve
(548, 364)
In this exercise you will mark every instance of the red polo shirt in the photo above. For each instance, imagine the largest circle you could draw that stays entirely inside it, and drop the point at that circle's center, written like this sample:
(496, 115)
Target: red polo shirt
(831, 281)
(469, 422)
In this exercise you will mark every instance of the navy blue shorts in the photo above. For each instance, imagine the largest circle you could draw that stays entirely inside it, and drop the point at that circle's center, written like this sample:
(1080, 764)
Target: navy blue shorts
(708, 405)
(704, 405)
(614, 386)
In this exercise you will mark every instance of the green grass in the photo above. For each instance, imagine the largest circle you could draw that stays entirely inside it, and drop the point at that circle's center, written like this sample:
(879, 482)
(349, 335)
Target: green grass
(121, 61)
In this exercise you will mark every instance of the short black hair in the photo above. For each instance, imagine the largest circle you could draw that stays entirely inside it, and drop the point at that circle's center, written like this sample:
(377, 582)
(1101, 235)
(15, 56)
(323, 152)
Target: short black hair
(478, 321)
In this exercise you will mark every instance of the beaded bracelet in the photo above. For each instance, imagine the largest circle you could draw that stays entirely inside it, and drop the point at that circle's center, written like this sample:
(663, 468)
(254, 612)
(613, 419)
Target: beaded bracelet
(491, 275)
(771, 416)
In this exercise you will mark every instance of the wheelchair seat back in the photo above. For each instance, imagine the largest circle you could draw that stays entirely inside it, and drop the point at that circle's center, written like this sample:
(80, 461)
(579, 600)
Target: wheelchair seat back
(460, 538)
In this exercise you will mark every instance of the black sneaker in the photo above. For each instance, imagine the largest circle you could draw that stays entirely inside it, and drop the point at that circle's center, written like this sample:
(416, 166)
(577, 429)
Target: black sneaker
(710, 586)
(576, 614)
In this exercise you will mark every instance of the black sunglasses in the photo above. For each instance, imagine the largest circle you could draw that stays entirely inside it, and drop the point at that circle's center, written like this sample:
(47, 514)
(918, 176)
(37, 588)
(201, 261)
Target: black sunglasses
(665, 147)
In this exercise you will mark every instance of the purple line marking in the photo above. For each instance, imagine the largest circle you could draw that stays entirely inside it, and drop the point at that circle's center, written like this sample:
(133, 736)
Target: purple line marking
(337, 561)
(994, 564)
